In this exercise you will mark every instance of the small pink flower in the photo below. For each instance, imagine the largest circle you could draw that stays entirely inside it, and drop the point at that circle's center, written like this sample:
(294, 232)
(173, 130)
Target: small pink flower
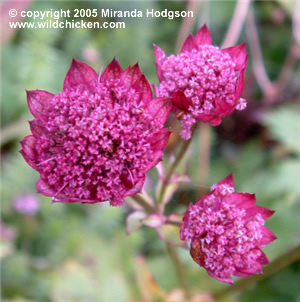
(204, 81)
(27, 204)
(227, 232)
(95, 140)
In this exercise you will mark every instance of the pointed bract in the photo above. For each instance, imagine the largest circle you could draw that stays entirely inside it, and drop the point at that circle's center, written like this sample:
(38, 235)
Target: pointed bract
(80, 73)
(180, 101)
(159, 109)
(188, 44)
(143, 91)
(159, 58)
(159, 140)
(202, 37)
(131, 75)
(238, 54)
(37, 102)
(112, 72)
(28, 150)
(44, 188)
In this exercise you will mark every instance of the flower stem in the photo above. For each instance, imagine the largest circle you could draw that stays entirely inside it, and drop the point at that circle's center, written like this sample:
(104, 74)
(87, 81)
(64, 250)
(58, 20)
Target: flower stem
(204, 155)
(143, 203)
(236, 23)
(281, 262)
(179, 157)
(179, 269)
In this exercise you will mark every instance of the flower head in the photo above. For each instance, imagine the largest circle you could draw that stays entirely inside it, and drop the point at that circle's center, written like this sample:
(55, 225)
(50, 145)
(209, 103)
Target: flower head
(204, 81)
(95, 140)
(27, 204)
(227, 232)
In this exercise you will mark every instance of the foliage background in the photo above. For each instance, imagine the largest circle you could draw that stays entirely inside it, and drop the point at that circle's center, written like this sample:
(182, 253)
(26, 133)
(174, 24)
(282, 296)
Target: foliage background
(80, 252)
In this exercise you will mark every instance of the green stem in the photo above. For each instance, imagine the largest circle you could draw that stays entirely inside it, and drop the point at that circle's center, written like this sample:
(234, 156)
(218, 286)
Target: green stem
(143, 203)
(179, 157)
(204, 158)
(281, 262)
(179, 269)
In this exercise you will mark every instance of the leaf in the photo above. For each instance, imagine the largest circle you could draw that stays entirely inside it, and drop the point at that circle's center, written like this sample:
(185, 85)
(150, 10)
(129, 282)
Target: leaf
(284, 126)
(134, 221)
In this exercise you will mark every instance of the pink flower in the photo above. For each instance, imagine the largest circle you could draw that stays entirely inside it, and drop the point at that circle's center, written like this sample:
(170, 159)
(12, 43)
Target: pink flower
(95, 140)
(205, 82)
(227, 232)
(27, 204)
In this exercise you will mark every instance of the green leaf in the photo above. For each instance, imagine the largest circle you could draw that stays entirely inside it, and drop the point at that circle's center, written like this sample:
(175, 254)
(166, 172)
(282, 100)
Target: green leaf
(284, 126)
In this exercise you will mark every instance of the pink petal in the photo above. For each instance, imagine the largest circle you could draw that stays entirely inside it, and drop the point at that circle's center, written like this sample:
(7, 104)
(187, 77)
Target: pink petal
(29, 151)
(222, 279)
(143, 90)
(202, 36)
(242, 200)
(137, 188)
(181, 101)
(44, 188)
(188, 44)
(159, 57)
(254, 269)
(80, 73)
(130, 75)
(263, 259)
(264, 212)
(228, 180)
(240, 83)
(112, 71)
(159, 139)
(241, 273)
(159, 109)
(158, 156)
(65, 199)
(223, 108)
(127, 179)
(247, 272)
(117, 202)
(37, 100)
(268, 236)
(37, 128)
(211, 119)
(238, 54)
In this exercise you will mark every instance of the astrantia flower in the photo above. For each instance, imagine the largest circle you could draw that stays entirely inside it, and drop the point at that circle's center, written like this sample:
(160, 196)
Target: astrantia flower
(95, 140)
(204, 81)
(227, 232)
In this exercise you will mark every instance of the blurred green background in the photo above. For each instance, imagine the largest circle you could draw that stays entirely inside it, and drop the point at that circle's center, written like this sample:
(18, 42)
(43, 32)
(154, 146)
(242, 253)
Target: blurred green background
(77, 252)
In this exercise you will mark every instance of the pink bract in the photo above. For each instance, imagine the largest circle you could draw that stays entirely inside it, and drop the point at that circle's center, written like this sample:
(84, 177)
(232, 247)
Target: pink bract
(95, 140)
(204, 81)
(227, 232)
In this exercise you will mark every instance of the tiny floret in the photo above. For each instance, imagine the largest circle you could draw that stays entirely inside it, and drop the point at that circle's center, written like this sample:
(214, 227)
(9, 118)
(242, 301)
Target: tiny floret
(204, 81)
(95, 140)
(227, 232)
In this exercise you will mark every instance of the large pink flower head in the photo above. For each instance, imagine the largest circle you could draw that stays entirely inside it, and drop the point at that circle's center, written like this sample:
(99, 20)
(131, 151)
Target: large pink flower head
(227, 232)
(95, 140)
(204, 81)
